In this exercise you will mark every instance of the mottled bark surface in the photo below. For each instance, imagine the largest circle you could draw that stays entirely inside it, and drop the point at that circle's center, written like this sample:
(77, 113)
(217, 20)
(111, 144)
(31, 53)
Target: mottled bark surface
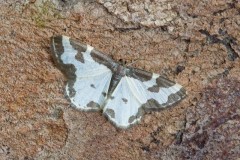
(195, 43)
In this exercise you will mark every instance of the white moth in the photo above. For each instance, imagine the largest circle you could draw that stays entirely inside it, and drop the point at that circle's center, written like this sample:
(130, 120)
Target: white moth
(96, 82)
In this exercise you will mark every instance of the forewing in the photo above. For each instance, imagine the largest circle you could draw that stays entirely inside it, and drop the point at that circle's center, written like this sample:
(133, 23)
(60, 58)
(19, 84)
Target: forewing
(88, 72)
(160, 92)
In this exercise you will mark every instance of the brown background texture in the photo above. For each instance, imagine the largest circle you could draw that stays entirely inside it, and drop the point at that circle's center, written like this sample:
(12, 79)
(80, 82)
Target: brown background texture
(193, 42)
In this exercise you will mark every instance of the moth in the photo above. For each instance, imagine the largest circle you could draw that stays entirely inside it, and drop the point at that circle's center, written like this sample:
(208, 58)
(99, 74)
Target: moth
(97, 82)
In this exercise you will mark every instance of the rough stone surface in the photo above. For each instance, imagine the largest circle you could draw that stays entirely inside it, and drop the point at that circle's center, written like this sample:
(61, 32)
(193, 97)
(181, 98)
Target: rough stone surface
(195, 43)
(143, 12)
(212, 129)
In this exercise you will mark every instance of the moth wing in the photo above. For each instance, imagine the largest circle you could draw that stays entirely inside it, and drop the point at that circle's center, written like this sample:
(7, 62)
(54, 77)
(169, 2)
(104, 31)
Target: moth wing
(160, 91)
(88, 72)
(123, 108)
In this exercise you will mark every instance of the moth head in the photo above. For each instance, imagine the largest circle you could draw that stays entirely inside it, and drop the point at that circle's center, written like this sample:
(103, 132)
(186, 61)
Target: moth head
(122, 62)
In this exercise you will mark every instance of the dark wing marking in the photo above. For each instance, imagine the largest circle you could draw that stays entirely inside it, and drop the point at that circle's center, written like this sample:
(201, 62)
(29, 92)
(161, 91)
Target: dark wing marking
(139, 74)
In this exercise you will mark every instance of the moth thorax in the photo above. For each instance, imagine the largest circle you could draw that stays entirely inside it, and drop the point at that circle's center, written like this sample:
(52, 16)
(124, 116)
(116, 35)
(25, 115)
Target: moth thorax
(121, 71)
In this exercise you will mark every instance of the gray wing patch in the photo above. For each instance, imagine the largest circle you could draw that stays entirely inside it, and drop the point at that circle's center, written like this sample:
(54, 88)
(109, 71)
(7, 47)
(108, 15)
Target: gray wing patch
(100, 58)
(152, 104)
(139, 74)
(110, 112)
(93, 86)
(93, 105)
(137, 116)
(161, 82)
(124, 100)
(81, 48)
(57, 49)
